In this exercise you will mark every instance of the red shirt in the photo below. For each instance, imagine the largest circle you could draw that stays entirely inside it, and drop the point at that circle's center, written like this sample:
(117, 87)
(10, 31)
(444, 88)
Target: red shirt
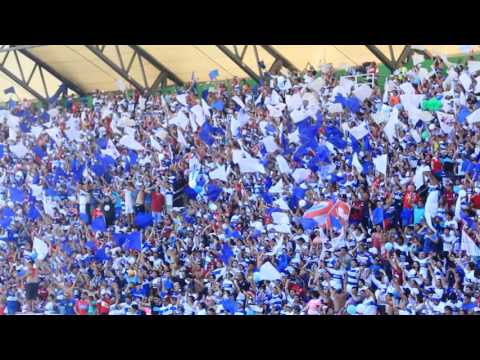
(103, 307)
(82, 307)
(397, 274)
(475, 199)
(436, 165)
(408, 200)
(449, 197)
(158, 201)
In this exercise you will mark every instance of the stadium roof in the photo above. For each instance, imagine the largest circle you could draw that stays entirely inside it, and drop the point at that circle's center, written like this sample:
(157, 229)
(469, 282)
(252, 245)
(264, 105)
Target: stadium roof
(38, 71)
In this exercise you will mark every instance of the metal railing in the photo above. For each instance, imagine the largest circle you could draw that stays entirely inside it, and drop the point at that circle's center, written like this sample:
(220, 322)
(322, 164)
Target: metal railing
(361, 79)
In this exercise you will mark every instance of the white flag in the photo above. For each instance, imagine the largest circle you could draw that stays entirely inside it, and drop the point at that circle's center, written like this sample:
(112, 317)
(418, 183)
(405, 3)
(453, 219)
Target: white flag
(356, 163)
(294, 137)
(280, 228)
(180, 120)
(36, 130)
(417, 59)
(155, 144)
(270, 144)
(219, 173)
(268, 272)
(277, 188)
(293, 101)
(41, 248)
(363, 92)
(20, 150)
(407, 88)
(469, 245)
(380, 117)
(380, 163)
(458, 205)
(273, 111)
(298, 115)
(181, 139)
(238, 101)
(283, 165)
(317, 84)
(280, 218)
(466, 81)
(199, 117)
(335, 108)
(54, 133)
(239, 121)
(111, 150)
(121, 85)
(182, 99)
(206, 108)
(130, 142)
(282, 204)
(415, 136)
(301, 174)
(431, 208)
(418, 178)
(389, 130)
(473, 66)
(359, 132)
(474, 117)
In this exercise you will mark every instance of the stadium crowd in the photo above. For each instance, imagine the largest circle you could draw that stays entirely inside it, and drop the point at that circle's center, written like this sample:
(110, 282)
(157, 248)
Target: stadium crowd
(306, 194)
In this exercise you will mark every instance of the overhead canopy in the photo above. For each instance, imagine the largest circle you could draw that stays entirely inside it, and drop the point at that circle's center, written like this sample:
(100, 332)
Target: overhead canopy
(165, 65)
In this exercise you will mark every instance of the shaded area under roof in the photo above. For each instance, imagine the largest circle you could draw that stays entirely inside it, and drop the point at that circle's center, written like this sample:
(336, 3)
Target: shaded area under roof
(82, 67)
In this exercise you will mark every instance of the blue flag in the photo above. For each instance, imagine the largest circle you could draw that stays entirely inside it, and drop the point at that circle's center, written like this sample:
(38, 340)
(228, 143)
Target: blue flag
(100, 255)
(119, 238)
(206, 132)
(335, 137)
(218, 105)
(227, 253)
(282, 262)
(39, 151)
(143, 220)
(99, 170)
(267, 197)
(91, 245)
(62, 89)
(213, 74)
(355, 144)
(11, 104)
(99, 224)
(45, 116)
(102, 142)
(213, 192)
(205, 95)
(471, 224)
(5, 222)
(366, 143)
(33, 213)
(462, 114)
(133, 241)
(335, 222)
(230, 306)
(17, 195)
(467, 166)
(308, 224)
(353, 104)
(10, 90)
(133, 157)
(378, 216)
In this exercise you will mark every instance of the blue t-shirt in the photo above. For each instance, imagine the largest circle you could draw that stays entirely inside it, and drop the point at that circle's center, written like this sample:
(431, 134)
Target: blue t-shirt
(69, 306)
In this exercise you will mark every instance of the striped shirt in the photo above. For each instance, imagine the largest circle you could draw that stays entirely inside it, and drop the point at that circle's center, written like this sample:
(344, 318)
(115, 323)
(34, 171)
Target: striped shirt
(353, 275)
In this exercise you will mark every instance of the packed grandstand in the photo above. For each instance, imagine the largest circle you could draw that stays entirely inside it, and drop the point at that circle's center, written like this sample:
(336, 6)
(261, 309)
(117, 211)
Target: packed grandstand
(310, 192)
